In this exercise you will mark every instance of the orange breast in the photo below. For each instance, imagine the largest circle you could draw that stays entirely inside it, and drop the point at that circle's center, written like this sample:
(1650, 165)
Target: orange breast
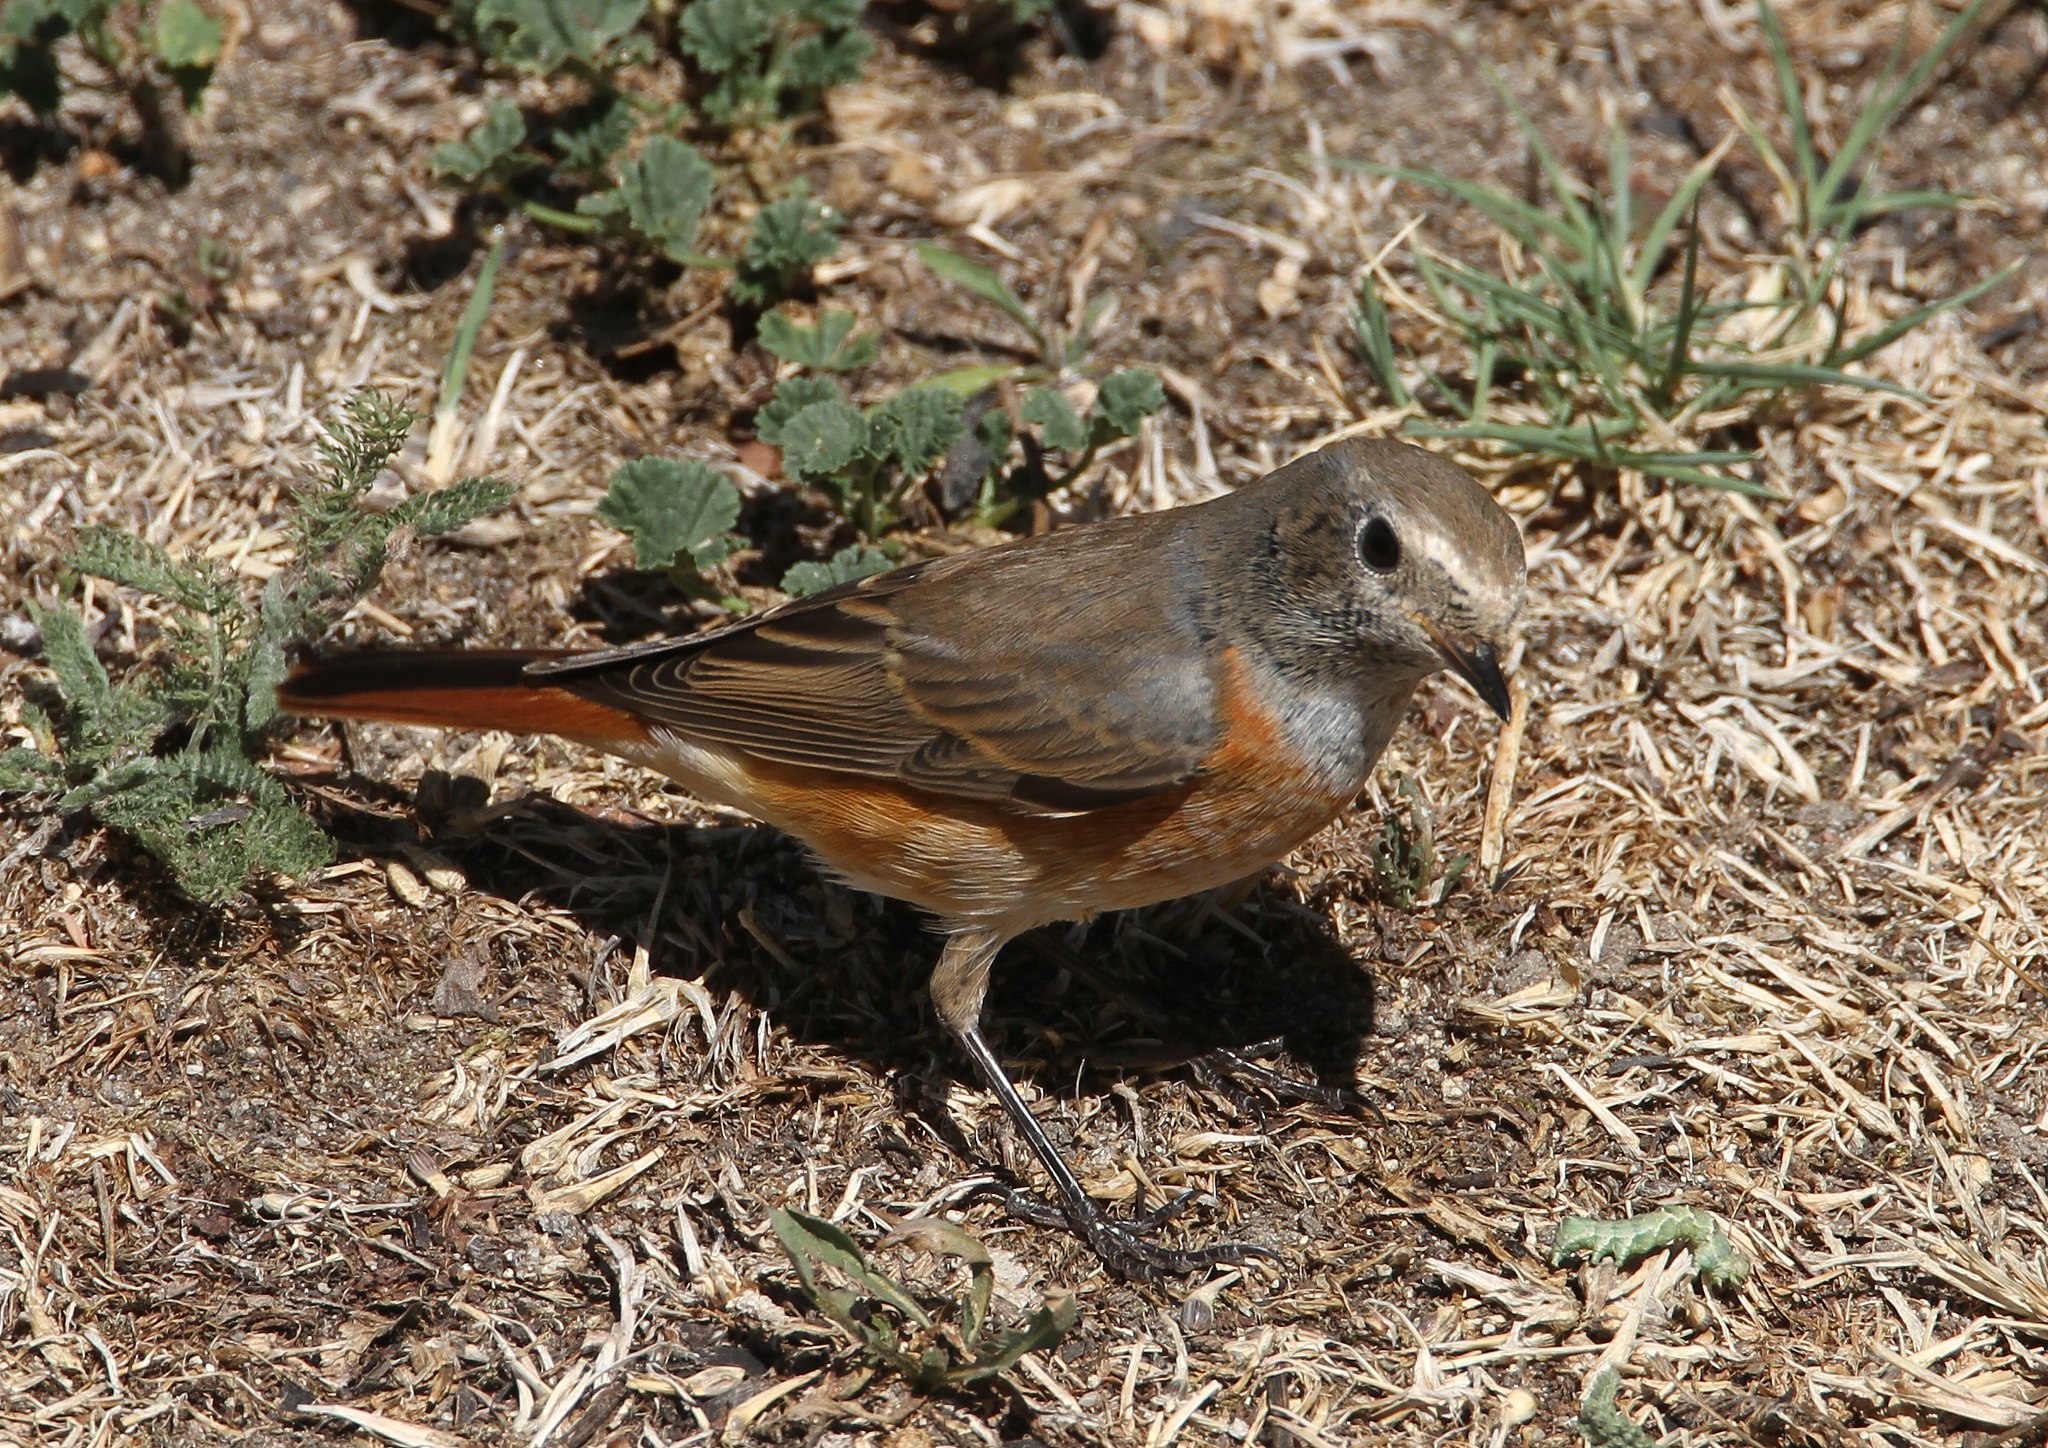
(1255, 797)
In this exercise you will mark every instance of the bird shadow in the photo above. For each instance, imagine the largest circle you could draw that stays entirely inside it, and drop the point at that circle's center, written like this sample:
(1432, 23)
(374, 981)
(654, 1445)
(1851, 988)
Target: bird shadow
(743, 908)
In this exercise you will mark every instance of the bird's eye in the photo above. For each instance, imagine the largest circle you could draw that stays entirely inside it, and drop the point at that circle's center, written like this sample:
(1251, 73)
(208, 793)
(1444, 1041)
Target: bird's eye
(1378, 548)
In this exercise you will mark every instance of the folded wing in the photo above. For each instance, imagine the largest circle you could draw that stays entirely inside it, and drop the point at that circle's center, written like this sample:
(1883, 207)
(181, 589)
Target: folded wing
(943, 676)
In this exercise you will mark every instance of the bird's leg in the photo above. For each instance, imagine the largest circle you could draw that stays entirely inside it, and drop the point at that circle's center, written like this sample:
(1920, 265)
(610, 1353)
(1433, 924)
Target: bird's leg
(958, 987)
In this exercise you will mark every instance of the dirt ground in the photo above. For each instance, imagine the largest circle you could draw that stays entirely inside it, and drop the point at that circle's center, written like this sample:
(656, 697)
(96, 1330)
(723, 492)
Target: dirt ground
(473, 1137)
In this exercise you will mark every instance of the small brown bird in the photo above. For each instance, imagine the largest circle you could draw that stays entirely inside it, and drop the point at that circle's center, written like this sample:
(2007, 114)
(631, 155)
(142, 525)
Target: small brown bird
(1090, 720)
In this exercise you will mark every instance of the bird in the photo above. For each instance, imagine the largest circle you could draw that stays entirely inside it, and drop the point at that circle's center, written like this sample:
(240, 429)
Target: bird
(1095, 718)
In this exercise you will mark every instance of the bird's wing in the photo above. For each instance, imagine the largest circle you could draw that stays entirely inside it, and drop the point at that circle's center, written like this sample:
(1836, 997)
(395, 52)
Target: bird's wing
(962, 676)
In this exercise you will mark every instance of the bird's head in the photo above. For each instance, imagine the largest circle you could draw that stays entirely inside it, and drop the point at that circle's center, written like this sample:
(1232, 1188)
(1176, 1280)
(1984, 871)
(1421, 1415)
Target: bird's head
(1390, 558)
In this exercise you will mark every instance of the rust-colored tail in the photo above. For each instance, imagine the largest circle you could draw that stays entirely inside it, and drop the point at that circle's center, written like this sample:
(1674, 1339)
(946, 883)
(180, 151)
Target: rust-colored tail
(452, 689)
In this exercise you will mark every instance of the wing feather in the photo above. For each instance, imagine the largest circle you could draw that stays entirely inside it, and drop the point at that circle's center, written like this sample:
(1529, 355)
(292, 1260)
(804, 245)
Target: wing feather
(941, 676)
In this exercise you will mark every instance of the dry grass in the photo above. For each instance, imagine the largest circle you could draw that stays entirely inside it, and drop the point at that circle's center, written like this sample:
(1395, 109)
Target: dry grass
(473, 1138)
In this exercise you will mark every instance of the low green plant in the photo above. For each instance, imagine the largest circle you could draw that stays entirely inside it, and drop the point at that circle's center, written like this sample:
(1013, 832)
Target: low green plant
(1123, 399)
(1598, 343)
(1405, 861)
(865, 459)
(1826, 201)
(787, 238)
(827, 345)
(139, 50)
(758, 60)
(869, 460)
(1627, 1240)
(892, 1328)
(137, 46)
(650, 74)
(680, 514)
(169, 754)
(849, 565)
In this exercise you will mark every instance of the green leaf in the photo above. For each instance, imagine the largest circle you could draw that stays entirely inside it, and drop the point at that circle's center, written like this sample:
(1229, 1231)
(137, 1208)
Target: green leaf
(966, 381)
(811, 1242)
(490, 154)
(916, 427)
(831, 14)
(816, 63)
(265, 668)
(22, 770)
(1376, 340)
(1123, 403)
(787, 239)
(186, 37)
(724, 35)
(661, 197)
(542, 36)
(974, 277)
(455, 371)
(122, 557)
(590, 136)
(445, 509)
(846, 566)
(827, 345)
(101, 722)
(1043, 1329)
(213, 819)
(792, 397)
(1898, 327)
(1059, 425)
(821, 441)
(1834, 199)
(28, 66)
(673, 507)
(45, 22)
(81, 677)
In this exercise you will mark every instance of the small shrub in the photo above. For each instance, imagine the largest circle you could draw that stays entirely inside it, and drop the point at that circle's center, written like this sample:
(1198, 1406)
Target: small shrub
(169, 756)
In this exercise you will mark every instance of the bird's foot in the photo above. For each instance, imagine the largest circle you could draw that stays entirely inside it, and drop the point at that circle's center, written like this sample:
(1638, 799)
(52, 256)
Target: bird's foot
(1127, 1248)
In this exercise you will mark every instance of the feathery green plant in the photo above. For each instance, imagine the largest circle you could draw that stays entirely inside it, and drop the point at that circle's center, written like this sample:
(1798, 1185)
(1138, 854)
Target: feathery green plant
(168, 755)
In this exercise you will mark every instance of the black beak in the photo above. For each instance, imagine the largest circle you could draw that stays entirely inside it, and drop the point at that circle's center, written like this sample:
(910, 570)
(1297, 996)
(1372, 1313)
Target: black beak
(1479, 666)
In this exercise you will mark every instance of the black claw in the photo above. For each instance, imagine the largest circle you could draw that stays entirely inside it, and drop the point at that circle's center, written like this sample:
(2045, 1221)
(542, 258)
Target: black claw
(1123, 1247)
